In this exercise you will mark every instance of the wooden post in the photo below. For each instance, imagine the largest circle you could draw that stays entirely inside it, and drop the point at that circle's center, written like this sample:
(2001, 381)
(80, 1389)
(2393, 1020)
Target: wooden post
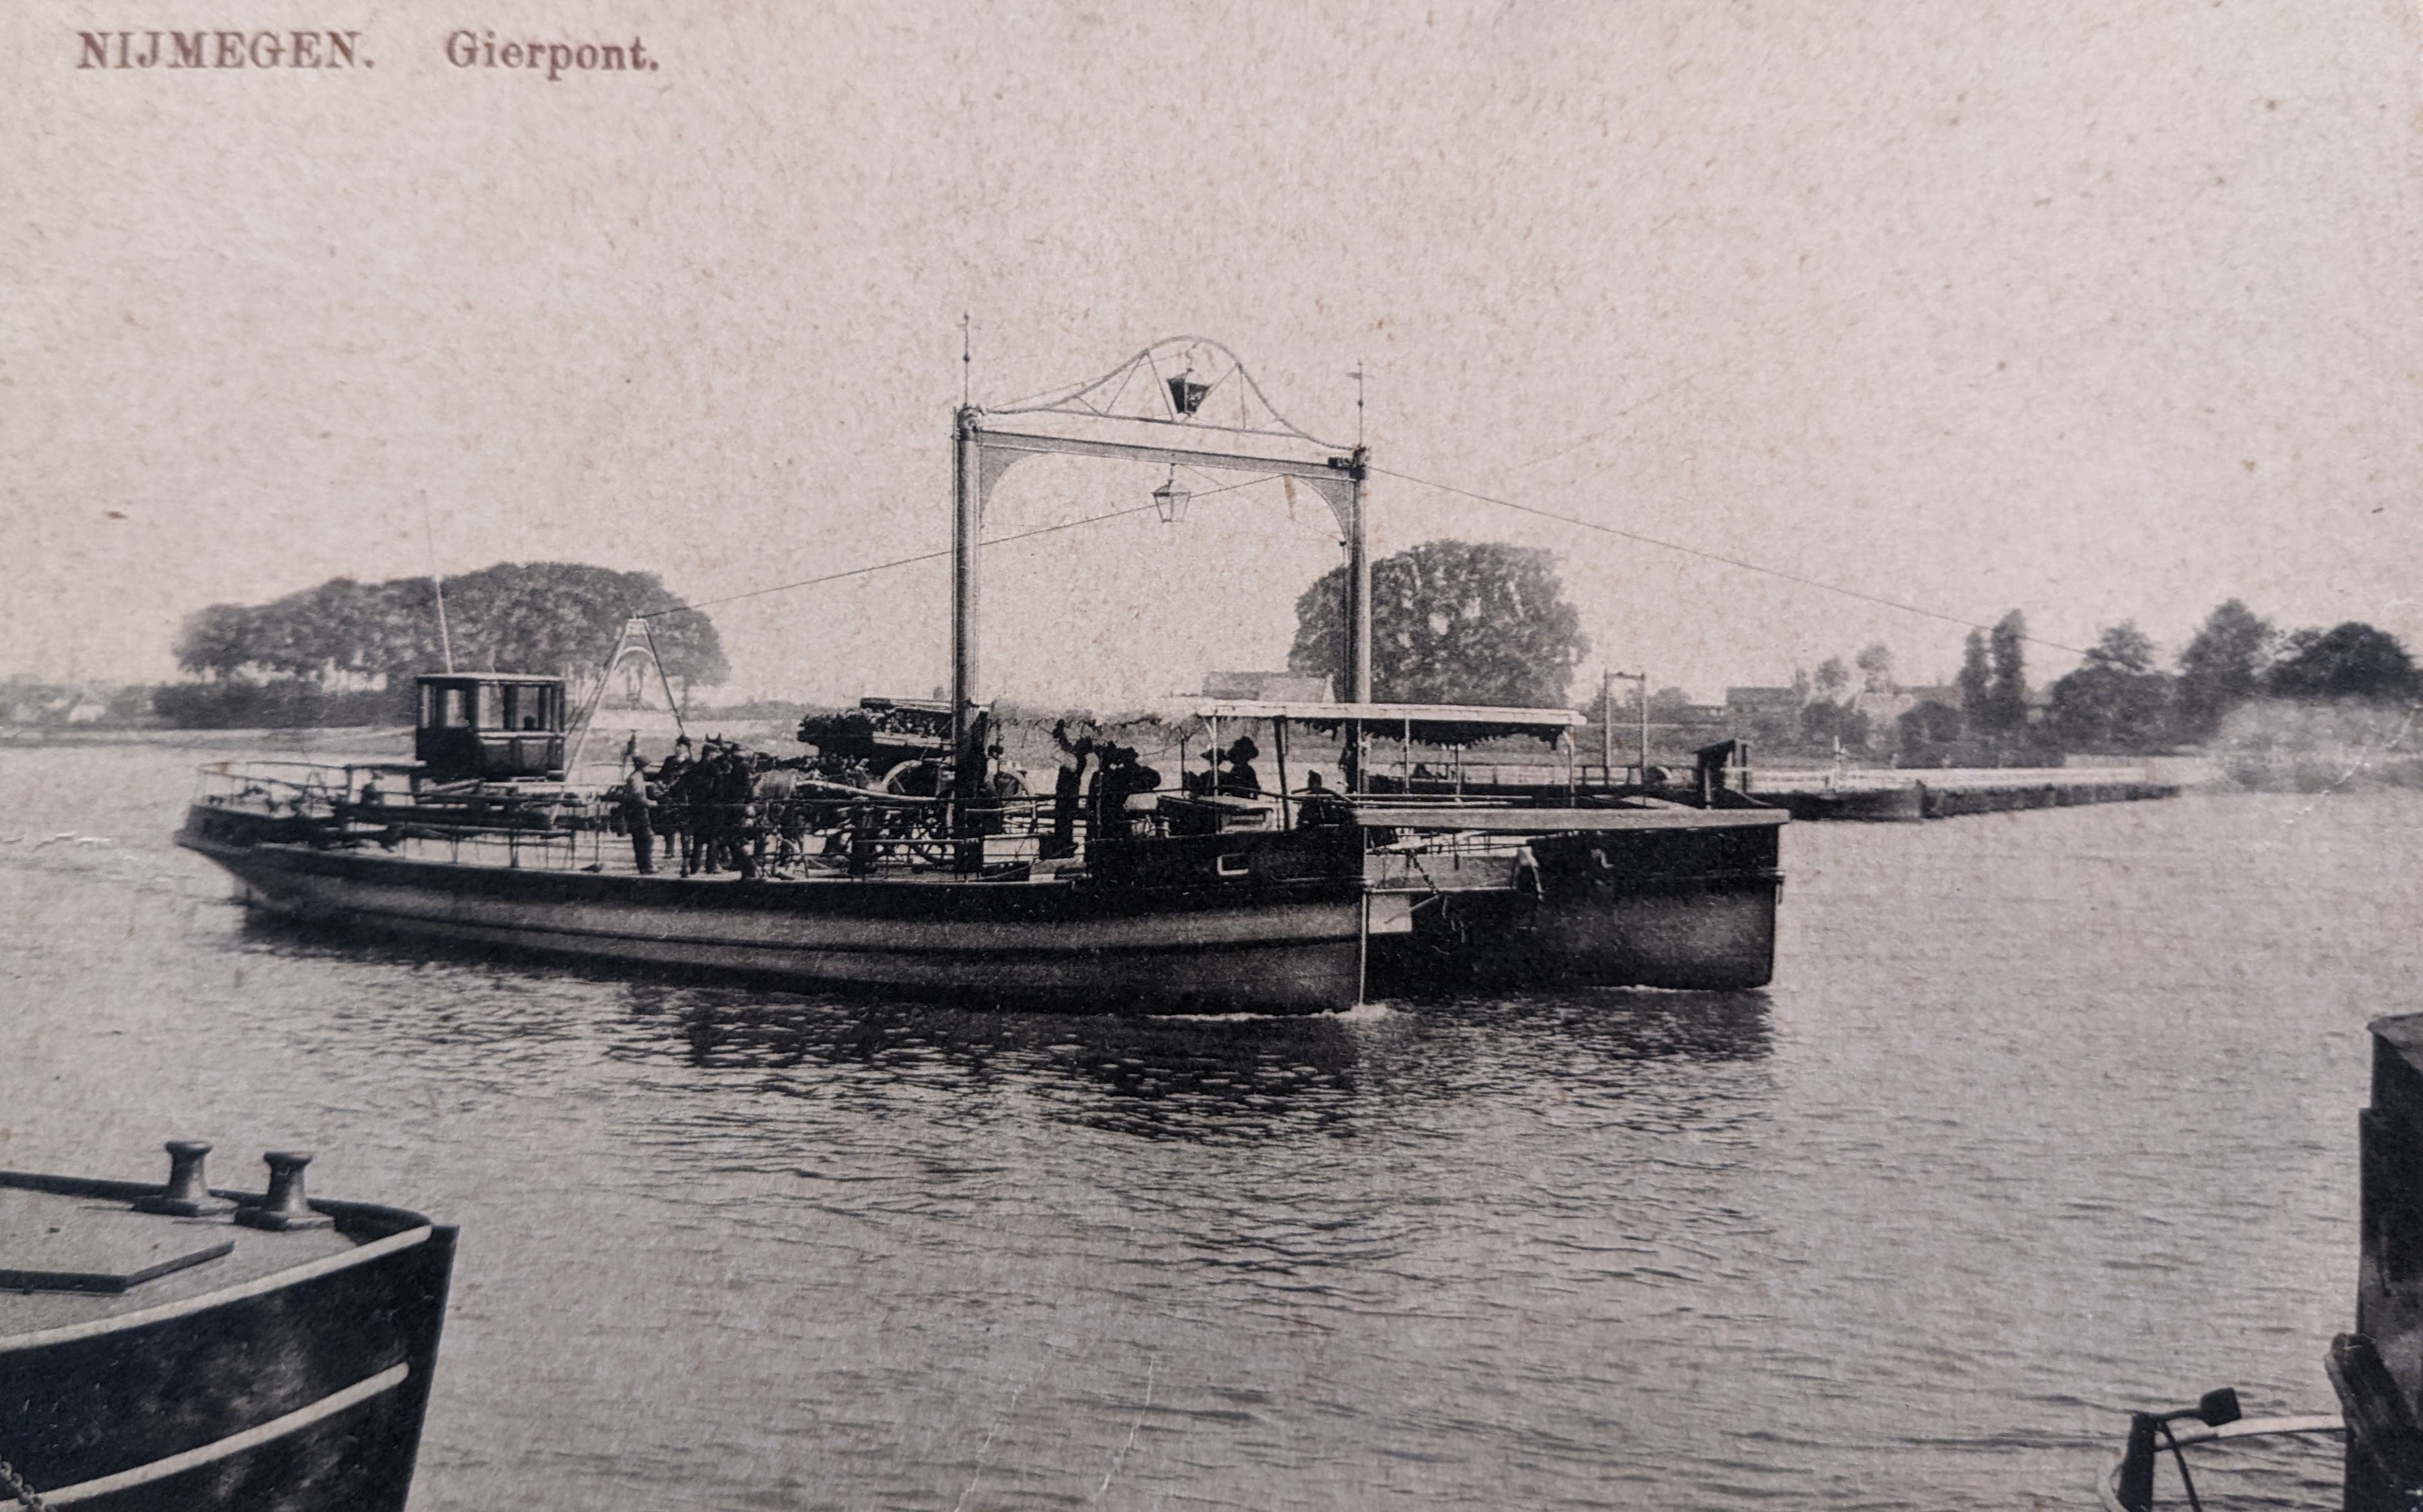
(1607, 724)
(1644, 726)
(2384, 1448)
(2389, 1267)
(1278, 744)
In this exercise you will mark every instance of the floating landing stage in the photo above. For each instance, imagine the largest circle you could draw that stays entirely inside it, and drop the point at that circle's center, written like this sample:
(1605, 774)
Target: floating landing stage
(1888, 798)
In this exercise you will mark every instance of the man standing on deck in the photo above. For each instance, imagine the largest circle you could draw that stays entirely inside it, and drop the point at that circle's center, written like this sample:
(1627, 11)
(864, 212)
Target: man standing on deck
(1122, 777)
(1066, 789)
(672, 819)
(1240, 781)
(697, 812)
(635, 815)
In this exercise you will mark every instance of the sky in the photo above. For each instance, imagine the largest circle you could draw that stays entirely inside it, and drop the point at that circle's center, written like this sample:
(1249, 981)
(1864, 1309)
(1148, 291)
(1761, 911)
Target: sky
(2100, 309)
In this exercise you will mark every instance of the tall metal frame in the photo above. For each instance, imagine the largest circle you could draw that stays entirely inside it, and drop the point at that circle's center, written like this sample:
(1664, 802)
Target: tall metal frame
(1118, 417)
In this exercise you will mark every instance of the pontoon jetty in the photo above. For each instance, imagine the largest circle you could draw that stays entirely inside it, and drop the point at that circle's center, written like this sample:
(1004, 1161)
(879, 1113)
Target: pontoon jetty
(1458, 845)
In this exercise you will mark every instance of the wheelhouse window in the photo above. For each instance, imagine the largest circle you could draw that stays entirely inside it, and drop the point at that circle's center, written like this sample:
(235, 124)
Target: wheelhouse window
(529, 706)
(445, 706)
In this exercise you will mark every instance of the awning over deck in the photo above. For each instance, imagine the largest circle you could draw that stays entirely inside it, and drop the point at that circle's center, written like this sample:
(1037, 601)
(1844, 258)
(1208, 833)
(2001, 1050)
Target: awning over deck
(1431, 724)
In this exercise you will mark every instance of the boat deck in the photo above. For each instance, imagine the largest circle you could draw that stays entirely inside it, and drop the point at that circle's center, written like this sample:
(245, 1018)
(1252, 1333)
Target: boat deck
(91, 1237)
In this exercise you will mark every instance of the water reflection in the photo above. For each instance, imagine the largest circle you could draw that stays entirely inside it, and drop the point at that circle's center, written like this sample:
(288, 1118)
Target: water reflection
(1622, 1024)
(1194, 1077)
(1250, 1078)
(1204, 1079)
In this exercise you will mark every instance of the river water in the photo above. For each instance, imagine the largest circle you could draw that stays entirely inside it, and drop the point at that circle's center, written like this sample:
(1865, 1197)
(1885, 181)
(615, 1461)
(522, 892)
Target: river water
(2047, 1116)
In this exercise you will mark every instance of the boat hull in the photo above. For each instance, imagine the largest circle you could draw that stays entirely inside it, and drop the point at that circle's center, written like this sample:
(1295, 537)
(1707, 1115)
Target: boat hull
(1292, 945)
(176, 1407)
(1687, 909)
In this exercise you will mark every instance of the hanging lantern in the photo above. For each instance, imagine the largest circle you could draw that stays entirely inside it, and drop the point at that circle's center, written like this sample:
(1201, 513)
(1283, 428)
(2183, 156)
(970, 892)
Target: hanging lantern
(1171, 500)
(1185, 394)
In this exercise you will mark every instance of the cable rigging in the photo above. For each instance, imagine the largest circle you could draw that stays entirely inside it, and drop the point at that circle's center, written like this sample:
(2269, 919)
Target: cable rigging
(1715, 557)
(922, 556)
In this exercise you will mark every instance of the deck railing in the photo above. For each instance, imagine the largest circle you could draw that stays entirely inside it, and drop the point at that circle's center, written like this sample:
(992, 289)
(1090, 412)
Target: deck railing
(808, 828)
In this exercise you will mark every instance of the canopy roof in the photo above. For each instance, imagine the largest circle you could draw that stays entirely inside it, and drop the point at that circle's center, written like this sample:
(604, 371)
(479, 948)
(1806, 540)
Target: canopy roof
(485, 677)
(1433, 724)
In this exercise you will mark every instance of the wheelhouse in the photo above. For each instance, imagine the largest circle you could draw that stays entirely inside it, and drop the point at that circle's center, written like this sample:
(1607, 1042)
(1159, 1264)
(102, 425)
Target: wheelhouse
(489, 726)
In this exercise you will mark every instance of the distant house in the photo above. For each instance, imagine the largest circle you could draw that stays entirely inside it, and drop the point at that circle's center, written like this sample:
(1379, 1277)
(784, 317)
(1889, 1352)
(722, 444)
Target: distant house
(1933, 720)
(1881, 708)
(1766, 716)
(1746, 703)
(1266, 687)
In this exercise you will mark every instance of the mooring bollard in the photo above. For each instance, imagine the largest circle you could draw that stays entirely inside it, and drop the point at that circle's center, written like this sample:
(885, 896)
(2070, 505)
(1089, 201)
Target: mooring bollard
(285, 1209)
(186, 1195)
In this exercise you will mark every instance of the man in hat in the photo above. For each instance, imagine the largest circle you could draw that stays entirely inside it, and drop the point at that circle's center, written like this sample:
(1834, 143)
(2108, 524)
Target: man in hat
(1122, 777)
(635, 815)
(673, 805)
(1239, 779)
(705, 810)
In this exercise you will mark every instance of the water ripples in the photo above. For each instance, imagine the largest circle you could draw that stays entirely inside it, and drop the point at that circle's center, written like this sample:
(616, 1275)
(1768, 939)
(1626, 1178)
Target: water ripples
(2047, 1117)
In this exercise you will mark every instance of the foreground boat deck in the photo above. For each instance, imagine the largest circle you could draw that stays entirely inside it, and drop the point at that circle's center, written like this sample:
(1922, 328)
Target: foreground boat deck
(152, 1361)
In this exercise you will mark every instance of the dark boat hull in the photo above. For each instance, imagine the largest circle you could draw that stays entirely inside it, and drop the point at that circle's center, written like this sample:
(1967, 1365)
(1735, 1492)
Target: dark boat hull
(302, 1392)
(1286, 944)
(1680, 908)
(1893, 805)
(1716, 936)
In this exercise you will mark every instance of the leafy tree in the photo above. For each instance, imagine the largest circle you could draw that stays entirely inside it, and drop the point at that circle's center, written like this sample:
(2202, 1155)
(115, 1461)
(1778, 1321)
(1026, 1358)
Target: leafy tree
(1670, 704)
(1876, 664)
(2115, 700)
(2221, 668)
(1976, 680)
(1929, 724)
(344, 635)
(218, 641)
(1833, 679)
(2007, 695)
(1453, 622)
(2350, 660)
(2123, 648)
(1823, 721)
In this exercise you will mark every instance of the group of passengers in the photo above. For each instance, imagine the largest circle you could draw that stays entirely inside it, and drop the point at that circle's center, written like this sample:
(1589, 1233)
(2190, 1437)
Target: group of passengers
(1099, 777)
(707, 810)
(700, 804)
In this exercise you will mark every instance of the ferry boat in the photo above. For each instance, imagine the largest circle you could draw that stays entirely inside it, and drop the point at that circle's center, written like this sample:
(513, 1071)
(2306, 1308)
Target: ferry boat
(938, 877)
(180, 1347)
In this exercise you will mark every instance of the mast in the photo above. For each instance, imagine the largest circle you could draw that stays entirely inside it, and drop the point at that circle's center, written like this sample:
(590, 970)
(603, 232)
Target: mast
(967, 525)
(1358, 585)
(437, 582)
(1358, 606)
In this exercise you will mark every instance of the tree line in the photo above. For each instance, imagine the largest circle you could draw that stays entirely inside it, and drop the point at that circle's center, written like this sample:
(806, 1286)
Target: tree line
(1457, 621)
(2120, 699)
(346, 652)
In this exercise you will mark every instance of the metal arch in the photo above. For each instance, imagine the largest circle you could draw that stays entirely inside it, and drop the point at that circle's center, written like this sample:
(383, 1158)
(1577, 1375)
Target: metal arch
(1337, 481)
(980, 458)
(1075, 400)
